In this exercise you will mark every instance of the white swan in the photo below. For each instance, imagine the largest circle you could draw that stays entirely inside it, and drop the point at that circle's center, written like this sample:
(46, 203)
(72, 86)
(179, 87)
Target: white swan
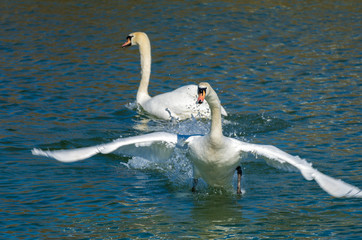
(178, 104)
(214, 156)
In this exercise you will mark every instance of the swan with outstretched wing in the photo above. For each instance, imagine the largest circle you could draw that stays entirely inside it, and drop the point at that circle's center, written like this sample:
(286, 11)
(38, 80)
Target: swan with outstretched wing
(178, 104)
(214, 157)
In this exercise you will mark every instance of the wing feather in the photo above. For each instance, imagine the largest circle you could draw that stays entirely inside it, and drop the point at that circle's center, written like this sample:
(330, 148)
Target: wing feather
(334, 187)
(73, 155)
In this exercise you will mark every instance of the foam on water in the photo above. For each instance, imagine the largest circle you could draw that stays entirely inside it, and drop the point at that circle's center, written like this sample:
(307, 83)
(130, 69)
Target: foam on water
(177, 168)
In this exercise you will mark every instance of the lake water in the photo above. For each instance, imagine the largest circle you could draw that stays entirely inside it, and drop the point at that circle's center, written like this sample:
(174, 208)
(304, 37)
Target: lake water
(288, 73)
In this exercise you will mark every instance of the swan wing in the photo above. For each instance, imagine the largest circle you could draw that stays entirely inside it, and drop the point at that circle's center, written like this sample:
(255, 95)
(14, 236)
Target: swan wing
(281, 159)
(160, 143)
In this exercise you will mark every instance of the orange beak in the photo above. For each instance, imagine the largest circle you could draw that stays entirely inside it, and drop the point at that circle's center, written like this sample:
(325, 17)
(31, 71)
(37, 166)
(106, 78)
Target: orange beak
(128, 43)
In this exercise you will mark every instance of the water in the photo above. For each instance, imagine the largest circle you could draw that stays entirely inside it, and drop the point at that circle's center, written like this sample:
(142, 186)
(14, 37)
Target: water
(288, 73)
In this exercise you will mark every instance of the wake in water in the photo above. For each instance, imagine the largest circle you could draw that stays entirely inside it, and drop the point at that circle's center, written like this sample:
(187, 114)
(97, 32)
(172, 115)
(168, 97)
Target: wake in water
(234, 125)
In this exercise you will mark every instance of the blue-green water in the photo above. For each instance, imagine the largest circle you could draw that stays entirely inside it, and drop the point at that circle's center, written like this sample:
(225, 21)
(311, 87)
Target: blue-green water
(288, 73)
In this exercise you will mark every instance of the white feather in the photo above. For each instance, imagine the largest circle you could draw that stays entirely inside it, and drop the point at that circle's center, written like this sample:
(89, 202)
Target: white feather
(334, 187)
(73, 155)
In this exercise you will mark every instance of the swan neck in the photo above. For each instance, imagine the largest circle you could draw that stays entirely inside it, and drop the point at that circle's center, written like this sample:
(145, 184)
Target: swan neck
(216, 125)
(145, 54)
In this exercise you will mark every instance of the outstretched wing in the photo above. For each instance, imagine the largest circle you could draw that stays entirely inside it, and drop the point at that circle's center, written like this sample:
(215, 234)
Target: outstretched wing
(281, 159)
(160, 143)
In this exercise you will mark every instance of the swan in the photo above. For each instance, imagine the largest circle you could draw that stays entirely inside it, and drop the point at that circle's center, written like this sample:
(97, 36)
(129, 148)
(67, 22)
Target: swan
(214, 157)
(178, 104)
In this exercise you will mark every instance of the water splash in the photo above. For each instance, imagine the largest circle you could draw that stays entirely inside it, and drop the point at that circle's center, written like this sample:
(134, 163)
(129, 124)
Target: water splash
(177, 168)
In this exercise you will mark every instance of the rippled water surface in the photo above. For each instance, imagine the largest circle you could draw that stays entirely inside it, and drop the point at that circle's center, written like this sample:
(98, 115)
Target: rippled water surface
(288, 72)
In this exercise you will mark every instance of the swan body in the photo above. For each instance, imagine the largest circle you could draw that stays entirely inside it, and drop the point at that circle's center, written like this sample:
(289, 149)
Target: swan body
(178, 104)
(215, 164)
(214, 156)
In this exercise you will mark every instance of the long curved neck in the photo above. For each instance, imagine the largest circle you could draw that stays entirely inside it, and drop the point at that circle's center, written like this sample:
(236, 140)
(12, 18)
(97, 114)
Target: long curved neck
(145, 54)
(216, 126)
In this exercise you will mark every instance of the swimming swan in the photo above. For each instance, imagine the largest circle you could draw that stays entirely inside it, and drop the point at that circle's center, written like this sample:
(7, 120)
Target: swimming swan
(214, 156)
(178, 104)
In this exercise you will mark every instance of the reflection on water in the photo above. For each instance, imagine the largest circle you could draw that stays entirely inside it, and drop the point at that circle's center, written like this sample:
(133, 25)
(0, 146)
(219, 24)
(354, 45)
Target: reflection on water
(287, 72)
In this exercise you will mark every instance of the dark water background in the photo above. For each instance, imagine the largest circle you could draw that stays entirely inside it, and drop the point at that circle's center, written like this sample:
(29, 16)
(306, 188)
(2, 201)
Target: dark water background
(288, 73)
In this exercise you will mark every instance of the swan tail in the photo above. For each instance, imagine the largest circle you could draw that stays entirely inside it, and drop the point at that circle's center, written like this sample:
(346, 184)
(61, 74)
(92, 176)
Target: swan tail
(223, 111)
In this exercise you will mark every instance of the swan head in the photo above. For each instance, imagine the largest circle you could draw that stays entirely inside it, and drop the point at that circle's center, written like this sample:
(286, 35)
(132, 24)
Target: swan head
(206, 93)
(135, 39)
(202, 91)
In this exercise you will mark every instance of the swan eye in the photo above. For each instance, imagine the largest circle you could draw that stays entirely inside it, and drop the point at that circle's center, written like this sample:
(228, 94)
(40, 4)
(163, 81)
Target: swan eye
(128, 42)
(202, 90)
